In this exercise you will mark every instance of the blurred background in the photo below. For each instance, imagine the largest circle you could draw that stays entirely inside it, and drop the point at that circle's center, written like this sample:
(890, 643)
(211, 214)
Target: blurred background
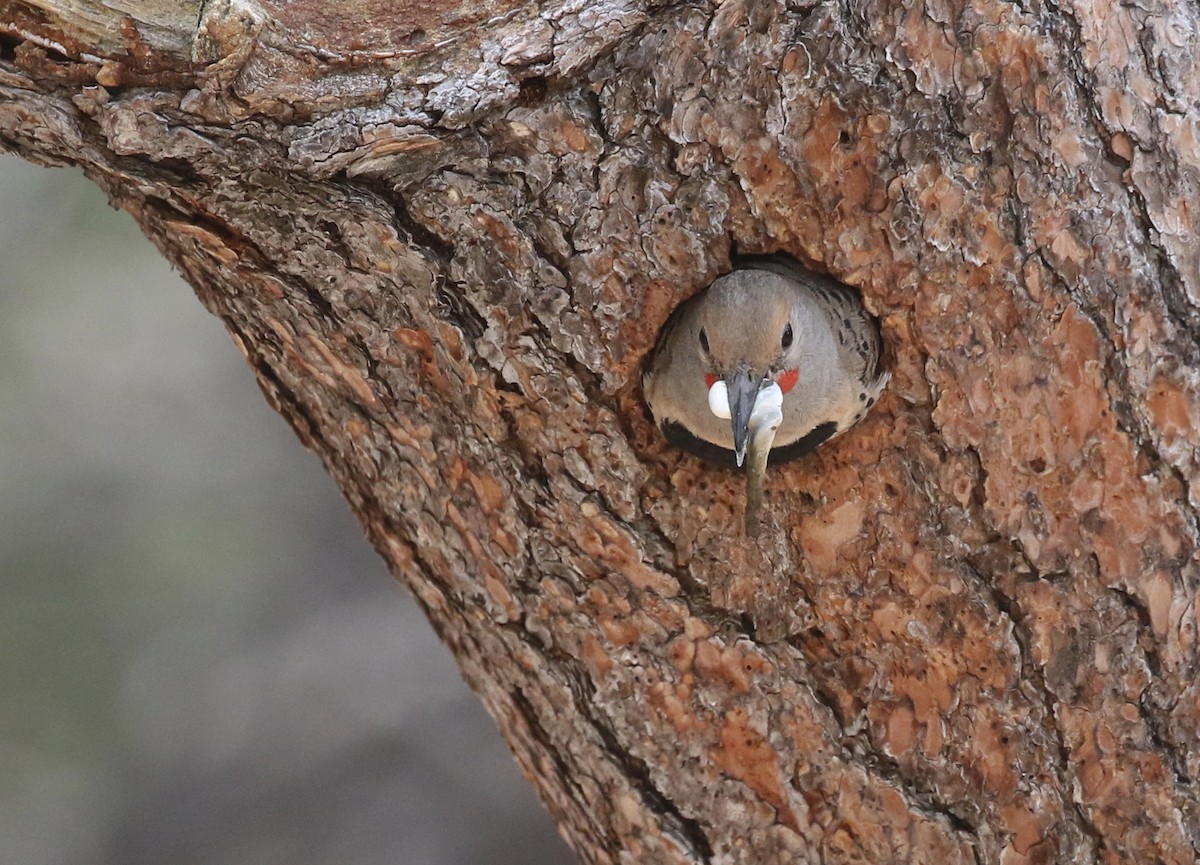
(201, 659)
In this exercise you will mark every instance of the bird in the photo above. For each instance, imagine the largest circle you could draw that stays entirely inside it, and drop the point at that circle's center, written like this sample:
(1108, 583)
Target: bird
(771, 360)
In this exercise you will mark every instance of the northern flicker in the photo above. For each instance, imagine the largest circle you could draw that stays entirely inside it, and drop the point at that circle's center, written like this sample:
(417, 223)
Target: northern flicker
(769, 361)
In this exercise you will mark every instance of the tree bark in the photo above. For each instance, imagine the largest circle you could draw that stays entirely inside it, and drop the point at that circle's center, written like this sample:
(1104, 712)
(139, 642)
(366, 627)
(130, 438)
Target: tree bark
(445, 237)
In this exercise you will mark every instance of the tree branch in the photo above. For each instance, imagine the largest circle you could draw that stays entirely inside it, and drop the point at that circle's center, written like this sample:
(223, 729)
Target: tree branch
(445, 241)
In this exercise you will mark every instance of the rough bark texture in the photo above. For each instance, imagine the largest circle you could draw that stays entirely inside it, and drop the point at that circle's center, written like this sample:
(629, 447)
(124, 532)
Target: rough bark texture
(445, 236)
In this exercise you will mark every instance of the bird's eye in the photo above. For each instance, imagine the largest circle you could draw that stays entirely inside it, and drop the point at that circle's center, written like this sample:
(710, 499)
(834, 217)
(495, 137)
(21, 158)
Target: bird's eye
(704, 340)
(786, 339)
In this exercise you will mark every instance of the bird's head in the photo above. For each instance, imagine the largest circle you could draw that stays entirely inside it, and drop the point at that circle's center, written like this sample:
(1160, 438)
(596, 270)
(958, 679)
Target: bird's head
(747, 336)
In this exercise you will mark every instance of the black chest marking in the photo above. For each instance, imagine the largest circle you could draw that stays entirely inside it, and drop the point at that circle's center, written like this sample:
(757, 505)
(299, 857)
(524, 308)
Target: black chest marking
(678, 435)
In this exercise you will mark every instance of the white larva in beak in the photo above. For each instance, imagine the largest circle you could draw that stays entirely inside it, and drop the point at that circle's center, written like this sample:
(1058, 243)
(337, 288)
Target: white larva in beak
(765, 419)
(718, 400)
(768, 409)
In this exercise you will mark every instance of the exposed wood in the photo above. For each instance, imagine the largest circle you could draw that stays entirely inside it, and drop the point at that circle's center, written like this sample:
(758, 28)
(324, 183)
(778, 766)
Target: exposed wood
(445, 236)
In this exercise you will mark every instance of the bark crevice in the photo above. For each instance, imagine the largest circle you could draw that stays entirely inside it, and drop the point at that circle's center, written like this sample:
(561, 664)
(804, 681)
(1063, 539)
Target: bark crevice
(969, 635)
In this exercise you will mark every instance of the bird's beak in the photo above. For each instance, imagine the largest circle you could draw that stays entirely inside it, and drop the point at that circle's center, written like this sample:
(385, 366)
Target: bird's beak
(743, 387)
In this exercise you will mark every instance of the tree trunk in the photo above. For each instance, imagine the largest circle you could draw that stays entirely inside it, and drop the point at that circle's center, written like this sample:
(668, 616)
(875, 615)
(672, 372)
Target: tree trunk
(445, 237)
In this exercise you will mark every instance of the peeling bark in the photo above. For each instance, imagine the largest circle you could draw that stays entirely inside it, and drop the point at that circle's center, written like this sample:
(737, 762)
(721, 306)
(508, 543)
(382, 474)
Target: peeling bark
(444, 237)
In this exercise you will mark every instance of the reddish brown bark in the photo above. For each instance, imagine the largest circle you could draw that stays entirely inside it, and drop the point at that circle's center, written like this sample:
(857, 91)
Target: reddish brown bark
(445, 238)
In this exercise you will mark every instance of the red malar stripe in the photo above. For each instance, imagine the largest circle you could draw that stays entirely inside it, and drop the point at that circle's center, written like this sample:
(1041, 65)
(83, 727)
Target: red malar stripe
(787, 379)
